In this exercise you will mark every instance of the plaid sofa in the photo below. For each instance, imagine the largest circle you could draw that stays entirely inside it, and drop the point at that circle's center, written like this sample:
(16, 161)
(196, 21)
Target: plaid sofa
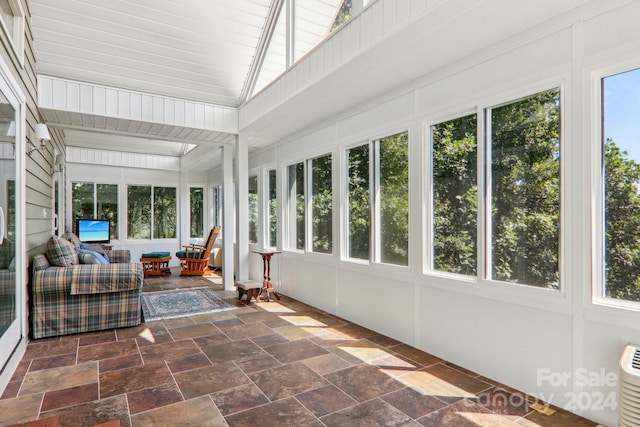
(85, 297)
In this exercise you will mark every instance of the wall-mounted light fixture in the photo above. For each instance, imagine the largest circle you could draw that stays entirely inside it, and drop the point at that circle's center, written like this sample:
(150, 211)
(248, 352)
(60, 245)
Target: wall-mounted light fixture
(41, 133)
(58, 164)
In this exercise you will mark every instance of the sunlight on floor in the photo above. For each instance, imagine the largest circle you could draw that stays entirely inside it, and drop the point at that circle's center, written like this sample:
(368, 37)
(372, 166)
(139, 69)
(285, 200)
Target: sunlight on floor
(304, 321)
(482, 419)
(428, 384)
(276, 307)
(147, 335)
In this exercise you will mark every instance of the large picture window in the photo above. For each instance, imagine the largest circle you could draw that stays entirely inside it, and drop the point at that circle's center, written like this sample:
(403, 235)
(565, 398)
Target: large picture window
(380, 168)
(296, 205)
(523, 149)
(151, 208)
(321, 204)
(454, 161)
(92, 200)
(359, 200)
(621, 156)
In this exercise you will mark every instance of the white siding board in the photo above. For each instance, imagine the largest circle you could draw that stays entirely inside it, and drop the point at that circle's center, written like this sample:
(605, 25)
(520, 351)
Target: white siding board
(111, 102)
(99, 101)
(124, 104)
(73, 96)
(59, 95)
(86, 98)
(135, 110)
(147, 108)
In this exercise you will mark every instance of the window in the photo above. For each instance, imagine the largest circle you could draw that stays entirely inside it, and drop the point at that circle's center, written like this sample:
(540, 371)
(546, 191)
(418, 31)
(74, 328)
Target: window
(217, 205)
(12, 21)
(321, 204)
(296, 206)
(381, 169)
(454, 207)
(196, 214)
(393, 206)
(151, 208)
(621, 157)
(164, 213)
(253, 209)
(92, 200)
(523, 149)
(272, 210)
(359, 202)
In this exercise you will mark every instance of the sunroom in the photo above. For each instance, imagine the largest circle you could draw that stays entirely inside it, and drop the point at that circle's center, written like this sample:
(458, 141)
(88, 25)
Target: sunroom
(458, 176)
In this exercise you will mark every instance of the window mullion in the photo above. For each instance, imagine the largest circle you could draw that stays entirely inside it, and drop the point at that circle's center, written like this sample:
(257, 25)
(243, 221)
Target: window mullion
(374, 178)
(484, 195)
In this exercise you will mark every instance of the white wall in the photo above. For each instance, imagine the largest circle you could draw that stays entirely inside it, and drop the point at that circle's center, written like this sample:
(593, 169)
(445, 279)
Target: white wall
(511, 333)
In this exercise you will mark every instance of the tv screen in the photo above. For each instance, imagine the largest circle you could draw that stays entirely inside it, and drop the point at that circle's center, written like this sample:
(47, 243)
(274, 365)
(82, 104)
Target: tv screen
(93, 230)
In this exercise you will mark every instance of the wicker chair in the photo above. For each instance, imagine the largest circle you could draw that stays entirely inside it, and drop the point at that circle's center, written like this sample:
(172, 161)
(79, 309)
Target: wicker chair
(194, 259)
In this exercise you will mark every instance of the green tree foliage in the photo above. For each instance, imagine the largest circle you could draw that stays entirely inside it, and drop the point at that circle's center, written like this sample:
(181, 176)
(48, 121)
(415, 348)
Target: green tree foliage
(138, 212)
(455, 196)
(107, 205)
(359, 202)
(394, 199)
(81, 202)
(273, 206)
(164, 213)
(525, 190)
(196, 212)
(253, 209)
(321, 204)
(622, 224)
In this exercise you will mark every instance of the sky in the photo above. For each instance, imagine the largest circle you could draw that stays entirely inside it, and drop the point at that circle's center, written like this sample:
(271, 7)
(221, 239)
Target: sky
(622, 111)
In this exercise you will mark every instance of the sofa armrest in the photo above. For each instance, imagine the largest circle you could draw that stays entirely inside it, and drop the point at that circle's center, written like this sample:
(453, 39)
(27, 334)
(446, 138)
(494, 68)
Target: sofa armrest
(118, 256)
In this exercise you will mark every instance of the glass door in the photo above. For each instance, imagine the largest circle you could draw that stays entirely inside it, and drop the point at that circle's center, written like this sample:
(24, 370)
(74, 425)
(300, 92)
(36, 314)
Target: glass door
(11, 148)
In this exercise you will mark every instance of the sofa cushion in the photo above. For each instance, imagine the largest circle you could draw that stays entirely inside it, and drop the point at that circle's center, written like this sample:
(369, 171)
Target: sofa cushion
(61, 252)
(90, 257)
(72, 238)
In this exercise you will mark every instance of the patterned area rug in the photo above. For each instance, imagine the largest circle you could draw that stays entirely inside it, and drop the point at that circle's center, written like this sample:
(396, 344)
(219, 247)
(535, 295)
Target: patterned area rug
(180, 303)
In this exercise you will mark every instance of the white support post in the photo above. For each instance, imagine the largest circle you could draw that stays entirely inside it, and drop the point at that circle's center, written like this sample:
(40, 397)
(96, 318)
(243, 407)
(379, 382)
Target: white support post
(242, 208)
(228, 222)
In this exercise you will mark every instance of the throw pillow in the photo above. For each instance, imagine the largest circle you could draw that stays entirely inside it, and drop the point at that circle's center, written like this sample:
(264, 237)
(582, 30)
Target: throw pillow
(90, 257)
(72, 238)
(94, 247)
(61, 252)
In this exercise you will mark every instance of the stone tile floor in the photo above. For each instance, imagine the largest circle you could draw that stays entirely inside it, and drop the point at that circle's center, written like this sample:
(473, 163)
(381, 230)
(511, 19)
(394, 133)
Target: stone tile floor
(277, 363)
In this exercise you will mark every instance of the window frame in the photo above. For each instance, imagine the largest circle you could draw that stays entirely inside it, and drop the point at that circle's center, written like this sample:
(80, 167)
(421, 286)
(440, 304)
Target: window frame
(428, 196)
(597, 297)
(555, 300)
(94, 214)
(152, 212)
(266, 206)
(375, 209)
(17, 39)
(202, 214)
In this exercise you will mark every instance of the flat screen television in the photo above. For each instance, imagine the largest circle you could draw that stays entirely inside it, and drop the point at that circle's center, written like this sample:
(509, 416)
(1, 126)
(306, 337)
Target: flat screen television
(93, 230)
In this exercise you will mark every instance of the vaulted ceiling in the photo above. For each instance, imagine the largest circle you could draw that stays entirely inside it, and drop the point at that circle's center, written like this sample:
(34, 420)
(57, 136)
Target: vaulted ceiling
(209, 51)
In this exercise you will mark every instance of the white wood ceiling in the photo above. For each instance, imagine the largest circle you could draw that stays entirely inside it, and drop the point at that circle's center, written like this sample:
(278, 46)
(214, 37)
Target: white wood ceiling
(192, 49)
(196, 50)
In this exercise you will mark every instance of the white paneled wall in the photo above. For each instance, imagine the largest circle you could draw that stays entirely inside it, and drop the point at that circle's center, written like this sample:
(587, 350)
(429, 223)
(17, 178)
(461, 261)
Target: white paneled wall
(67, 95)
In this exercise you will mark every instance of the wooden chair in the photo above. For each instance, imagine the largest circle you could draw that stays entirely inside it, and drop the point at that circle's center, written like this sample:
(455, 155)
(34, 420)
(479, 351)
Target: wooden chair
(194, 260)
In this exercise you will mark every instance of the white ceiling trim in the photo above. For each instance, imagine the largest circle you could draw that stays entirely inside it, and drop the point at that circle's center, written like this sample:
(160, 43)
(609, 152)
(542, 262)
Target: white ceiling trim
(95, 100)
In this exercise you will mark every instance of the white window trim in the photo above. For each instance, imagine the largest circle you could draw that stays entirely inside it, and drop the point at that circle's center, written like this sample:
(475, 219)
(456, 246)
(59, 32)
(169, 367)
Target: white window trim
(598, 298)
(266, 218)
(549, 299)
(375, 236)
(428, 261)
(16, 40)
